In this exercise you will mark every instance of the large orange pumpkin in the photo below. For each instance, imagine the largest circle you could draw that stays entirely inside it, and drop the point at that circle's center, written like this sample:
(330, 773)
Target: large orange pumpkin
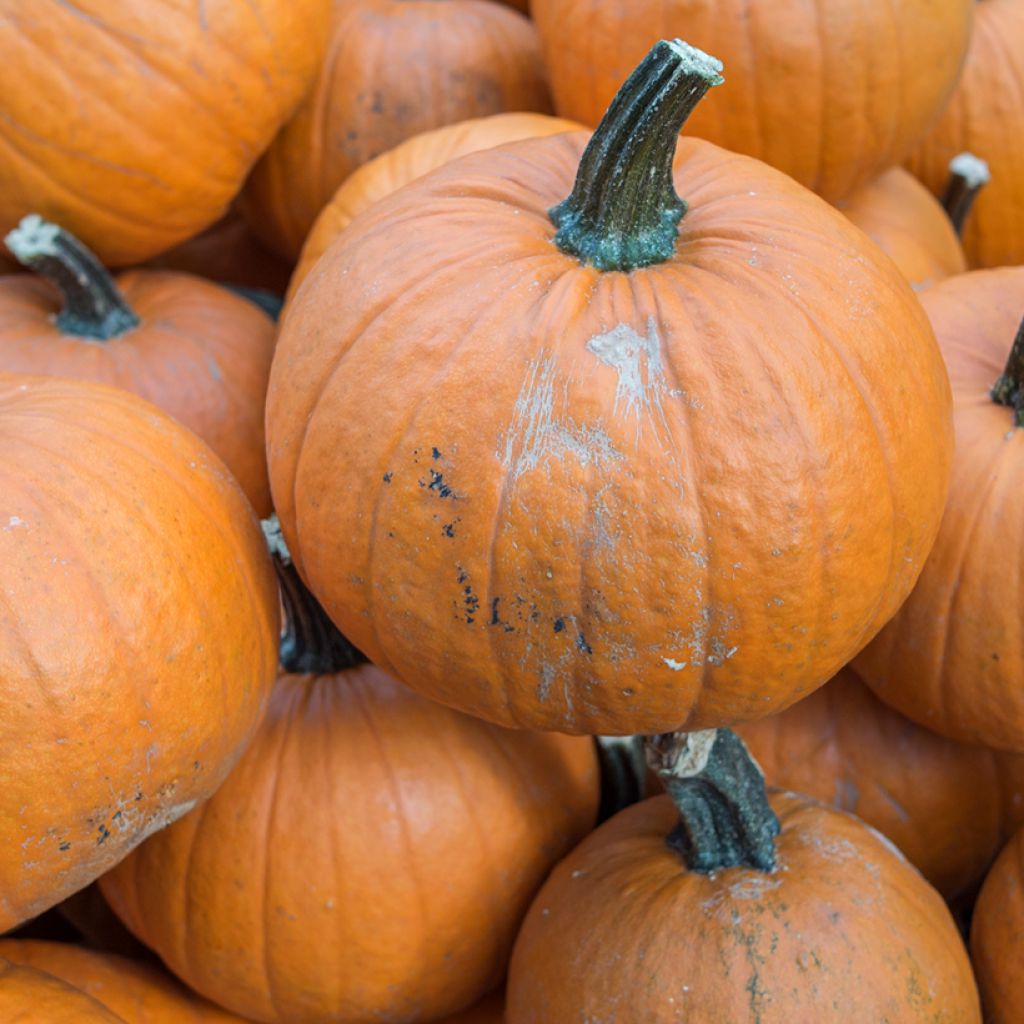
(134, 122)
(713, 905)
(196, 350)
(35, 997)
(138, 631)
(394, 68)
(953, 656)
(606, 492)
(831, 92)
(371, 856)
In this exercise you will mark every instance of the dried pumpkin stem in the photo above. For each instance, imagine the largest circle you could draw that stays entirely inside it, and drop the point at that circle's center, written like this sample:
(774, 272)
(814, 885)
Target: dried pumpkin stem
(623, 211)
(1009, 389)
(718, 789)
(310, 641)
(968, 175)
(93, 305)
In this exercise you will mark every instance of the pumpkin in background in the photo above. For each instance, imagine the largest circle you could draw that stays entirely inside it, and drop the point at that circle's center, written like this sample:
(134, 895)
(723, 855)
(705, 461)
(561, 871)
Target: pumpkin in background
(141, 993)
(833, 93)
(38, 998)
(952, 658)
(370, 857)
(563, 498)
(948, 806)
(138, 634)
(134, 124)
(986, 117)
(718, 903)
(196, 350)
(410, 160)
(394, 68)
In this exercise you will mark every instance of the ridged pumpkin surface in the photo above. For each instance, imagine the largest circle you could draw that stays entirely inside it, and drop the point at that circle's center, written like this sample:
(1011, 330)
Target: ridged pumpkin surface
(601, 502)
(138, 631)
(370, 858)
(28, 996)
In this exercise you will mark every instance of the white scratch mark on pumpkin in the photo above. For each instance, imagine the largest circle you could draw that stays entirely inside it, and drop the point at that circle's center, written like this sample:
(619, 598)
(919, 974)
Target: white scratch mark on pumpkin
(676, 666)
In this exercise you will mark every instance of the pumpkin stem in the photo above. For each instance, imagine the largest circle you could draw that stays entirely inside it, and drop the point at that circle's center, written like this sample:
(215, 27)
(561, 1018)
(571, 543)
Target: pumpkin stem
(718, 788)
(310, 641)
(1009, 389)
(623, 211)
(968, 175)
(623, 779)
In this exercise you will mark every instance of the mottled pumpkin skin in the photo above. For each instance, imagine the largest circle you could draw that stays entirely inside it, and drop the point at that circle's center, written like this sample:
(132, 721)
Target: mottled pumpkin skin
(132, 123)
(200, 352)
(139, 992)
(138, 632)
(831, 92)
(394, 68)
(985, 116)
(948, 806)
(34, 997)
(602, 502)
(953, 657)
(844, 930)
(370, 858)
(408, 161)
(997, 939)
(909, 225)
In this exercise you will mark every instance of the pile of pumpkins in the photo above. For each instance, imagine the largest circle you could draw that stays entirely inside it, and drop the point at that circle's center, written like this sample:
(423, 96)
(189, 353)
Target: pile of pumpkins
(507, 511)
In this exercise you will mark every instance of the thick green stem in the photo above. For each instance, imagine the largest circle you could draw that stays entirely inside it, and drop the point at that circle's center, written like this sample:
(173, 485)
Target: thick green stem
(968, 175)
(1009, 389)
(310, 642)
(623, 211)
(93, 306)
(718, 789)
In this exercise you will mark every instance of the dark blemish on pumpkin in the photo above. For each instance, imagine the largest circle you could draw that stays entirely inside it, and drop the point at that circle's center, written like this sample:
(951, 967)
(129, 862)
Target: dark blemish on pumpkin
(104, 835)
(582, 646)
(559, 625)
(463, 575)
(628, 691)
(387, 478)
(496, 618)
(391, 534)
(196, 766)
(138, 794)
(435, 453)
(64, 846)
(115, 816)
(437, 484)
(472, 603)
(449, 528)
(995, 657)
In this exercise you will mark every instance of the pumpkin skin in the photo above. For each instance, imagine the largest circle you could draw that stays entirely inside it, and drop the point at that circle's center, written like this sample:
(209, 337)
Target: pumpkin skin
(844, 921)
(138, 641)
(810, 87)
(178, 98)
(953, 656)
(370, 858)
(909, 225)
(986, 116)
(549, 542)
(394, 68)
(138, 992)
(948, 806)
(29, 995)
(408, 161)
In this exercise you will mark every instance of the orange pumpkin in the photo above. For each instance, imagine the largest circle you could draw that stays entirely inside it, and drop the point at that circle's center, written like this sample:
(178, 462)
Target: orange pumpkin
(33, 996)
(953, 656)
(134, 124)
(713, 904)
(138, 992)
(394, 68)
(833, 93)
(986, 117)
(196, 350)
(370, 857)
(138, 636)
(594, 499)
(408, 161)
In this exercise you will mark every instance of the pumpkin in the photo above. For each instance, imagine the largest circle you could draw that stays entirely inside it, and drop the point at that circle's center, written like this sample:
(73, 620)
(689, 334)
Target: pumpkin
(997, 941)
(832, 93)
(196, 350)
(906, 221)
(986, 116)
(718, 903)
(952, 659)
(138, 632)
(569, 475)
(30, 995)
(370, 857)
(139, 992)
(134, 124)
(948, 806)
(408, 161)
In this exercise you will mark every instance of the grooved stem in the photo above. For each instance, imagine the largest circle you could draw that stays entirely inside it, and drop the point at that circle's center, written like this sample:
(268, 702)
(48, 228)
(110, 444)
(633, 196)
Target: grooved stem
(968, 175)
(1009, 389)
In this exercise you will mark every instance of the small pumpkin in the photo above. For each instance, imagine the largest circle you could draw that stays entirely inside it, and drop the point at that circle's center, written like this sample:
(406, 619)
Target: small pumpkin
(27, 994)
(196, 350)
(138, 633)
(394, 68)
(952, 658)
